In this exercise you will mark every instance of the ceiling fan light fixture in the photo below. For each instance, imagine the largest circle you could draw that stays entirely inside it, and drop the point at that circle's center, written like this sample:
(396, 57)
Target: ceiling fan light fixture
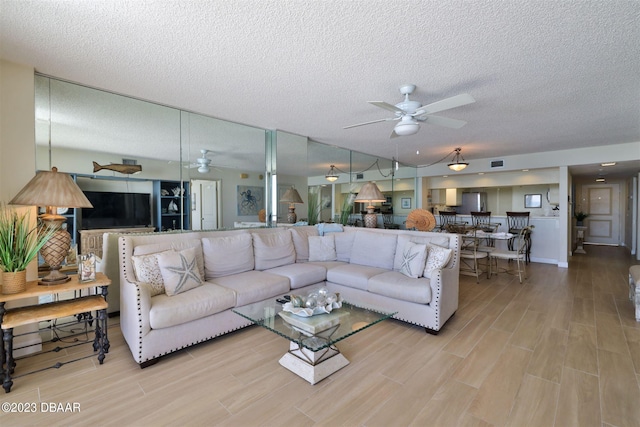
(331, 176)
(203, 169)
(457, 164)
(407, 127)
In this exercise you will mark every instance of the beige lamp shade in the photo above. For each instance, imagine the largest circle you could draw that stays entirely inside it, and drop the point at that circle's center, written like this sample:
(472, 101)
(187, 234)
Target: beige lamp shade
(370, 193)
(291, 196)
(52, 188)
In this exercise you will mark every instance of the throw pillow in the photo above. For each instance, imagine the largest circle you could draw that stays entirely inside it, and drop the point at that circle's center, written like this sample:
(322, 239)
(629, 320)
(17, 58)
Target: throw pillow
(437, 257)
(414, 256)
(273, 249)
(322, 248)
(179, 271)
(147, 270)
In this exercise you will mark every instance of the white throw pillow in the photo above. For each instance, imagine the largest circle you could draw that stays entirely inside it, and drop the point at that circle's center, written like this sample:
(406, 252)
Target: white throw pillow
(227, 255)
(322, 248)
(273, 250)
(414, 256)
(437, 257)
(179, 271)
(147, 270)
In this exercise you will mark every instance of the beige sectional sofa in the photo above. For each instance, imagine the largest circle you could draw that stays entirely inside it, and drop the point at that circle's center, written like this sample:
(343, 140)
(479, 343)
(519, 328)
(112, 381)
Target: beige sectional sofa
(238, 267)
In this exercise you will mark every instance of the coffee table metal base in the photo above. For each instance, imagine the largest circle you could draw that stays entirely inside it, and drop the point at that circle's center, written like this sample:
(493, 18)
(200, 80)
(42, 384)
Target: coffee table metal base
(313, 366)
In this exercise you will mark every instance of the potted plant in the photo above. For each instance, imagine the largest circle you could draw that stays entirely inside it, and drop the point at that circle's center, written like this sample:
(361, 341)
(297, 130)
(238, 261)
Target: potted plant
(580, 217)
(19, 245)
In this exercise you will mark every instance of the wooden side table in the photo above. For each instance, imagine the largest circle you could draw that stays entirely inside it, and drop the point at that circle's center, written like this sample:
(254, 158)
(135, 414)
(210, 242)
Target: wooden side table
(40, 312)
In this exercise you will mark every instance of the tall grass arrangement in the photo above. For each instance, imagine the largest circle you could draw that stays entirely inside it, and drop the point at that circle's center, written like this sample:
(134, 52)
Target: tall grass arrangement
(313, 209)
(19, 241)
(347, 207)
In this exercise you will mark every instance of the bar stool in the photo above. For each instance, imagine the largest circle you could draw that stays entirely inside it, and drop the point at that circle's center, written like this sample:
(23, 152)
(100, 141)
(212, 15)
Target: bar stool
(482, 221)
(517, 221)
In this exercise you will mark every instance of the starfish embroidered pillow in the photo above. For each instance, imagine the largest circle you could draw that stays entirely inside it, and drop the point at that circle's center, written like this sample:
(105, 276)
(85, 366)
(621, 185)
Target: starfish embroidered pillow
(179, 271)
(437, 257)
(414, 256)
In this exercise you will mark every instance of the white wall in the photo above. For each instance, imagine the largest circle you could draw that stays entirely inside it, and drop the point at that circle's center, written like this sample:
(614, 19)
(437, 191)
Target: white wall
(17, 165)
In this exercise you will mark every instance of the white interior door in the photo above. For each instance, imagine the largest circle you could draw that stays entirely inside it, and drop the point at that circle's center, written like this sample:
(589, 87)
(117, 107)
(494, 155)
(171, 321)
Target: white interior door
(204, 204)
(603, 207)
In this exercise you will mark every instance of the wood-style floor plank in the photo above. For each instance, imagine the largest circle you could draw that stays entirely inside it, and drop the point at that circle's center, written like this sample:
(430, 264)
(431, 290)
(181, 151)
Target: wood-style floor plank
(561, 349)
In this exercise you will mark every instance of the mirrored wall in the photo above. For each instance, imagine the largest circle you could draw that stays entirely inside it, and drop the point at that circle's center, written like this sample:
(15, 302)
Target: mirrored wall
(198, 172)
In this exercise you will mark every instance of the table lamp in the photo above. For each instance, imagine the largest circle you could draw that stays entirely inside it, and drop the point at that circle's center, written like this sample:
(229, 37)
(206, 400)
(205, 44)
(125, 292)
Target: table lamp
(292, 197)
(53, 189)
(370, 193)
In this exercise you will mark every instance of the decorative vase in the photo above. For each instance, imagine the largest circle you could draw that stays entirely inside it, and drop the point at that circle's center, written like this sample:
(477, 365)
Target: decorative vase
(14, 282)
(579, 223)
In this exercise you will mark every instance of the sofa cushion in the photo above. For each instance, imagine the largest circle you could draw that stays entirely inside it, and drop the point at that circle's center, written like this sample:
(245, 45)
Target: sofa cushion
(301, 274)
(353, 275)
(374, 249)
(176, 245)
(437, 257)
(179, 270)
(300, 237)
(227, 255)
(194, 304)
(253, 286)
(404, 238)
(322, 248)
(396, 285)
(273, 250)
(344, 243)
(147, 270)
(414, 256)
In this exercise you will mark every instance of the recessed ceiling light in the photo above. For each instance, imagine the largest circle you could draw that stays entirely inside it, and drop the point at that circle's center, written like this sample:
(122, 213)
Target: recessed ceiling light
(480, 173)
(445, 176)
(608, 164)
(525, 170)
(600, 180)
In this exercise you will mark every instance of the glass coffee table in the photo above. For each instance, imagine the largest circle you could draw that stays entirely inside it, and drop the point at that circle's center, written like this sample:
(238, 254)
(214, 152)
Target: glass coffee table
(312, 352)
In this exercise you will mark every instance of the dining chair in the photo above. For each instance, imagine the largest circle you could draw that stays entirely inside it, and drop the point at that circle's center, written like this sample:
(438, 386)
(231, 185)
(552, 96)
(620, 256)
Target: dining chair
(518, 254)
(470, 254)
(516, 221)
(447, 218)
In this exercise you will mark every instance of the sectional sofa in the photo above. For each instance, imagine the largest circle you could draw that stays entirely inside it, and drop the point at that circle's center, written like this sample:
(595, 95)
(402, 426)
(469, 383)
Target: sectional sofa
(177, 290)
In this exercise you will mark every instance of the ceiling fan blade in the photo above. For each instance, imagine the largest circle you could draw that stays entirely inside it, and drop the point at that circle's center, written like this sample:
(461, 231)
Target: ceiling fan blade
(446, 104)
(444, 121)
(368, 123)
(386, 106)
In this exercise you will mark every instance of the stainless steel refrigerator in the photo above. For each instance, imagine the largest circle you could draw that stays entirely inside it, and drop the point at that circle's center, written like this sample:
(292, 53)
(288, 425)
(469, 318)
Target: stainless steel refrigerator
(472, 202)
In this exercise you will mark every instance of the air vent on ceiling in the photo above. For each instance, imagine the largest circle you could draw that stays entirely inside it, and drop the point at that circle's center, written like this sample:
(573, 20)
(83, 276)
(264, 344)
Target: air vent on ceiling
(497, 164)
(129, 162)
(359, 176)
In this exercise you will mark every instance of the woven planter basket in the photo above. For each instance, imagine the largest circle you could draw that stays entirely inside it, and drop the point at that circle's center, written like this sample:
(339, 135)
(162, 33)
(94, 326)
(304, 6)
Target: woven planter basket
(14, 282)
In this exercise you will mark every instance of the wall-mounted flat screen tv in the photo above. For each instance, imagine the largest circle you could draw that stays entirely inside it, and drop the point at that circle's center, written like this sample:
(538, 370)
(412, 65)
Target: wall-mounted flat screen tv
(116, 210)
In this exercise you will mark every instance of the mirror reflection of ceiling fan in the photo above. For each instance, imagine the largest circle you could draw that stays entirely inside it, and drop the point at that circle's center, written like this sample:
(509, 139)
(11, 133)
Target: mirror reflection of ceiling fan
(410, 113)
(203, 163)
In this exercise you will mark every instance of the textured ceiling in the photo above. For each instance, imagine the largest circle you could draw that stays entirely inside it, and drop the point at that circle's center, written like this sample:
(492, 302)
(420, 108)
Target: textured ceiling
(546, 75)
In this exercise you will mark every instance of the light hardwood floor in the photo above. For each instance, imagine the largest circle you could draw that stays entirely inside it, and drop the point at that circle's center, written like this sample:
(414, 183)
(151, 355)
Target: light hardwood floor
(562, 349)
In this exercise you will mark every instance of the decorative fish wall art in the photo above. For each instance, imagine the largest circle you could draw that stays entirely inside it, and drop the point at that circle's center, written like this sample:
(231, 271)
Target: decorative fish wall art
(125, 169)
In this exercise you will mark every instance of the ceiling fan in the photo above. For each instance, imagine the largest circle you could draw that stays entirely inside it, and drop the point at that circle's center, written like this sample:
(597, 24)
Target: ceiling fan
(409, 113)
(202, 163)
